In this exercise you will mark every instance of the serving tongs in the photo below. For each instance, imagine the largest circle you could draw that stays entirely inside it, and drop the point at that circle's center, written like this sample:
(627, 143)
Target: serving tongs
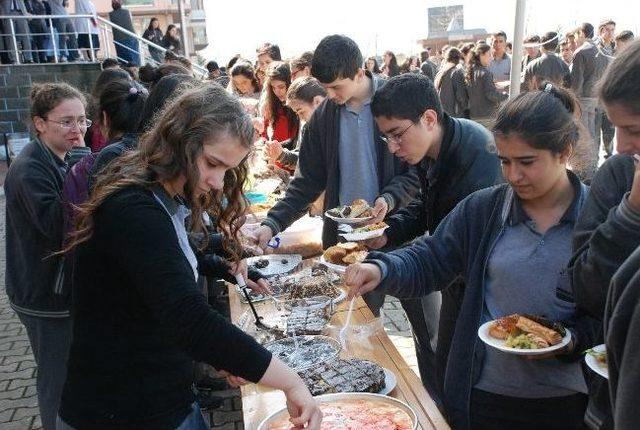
(243, 286)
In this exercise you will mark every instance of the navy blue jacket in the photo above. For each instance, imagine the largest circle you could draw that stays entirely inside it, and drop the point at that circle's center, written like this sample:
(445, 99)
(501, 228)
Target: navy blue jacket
(460, 246)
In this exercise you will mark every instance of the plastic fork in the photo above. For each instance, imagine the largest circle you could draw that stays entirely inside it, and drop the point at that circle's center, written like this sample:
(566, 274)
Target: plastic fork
(343, 331)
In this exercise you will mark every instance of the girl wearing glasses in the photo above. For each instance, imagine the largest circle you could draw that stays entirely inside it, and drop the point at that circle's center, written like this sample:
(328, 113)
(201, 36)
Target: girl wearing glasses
(34, 221)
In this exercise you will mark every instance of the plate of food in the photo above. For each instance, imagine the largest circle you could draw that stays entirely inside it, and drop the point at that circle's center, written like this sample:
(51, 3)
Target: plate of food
(370, 231)
(524, 335)
(596, 359)
(339, 256)
(348, 376)
(358, 212)
(270, 265)
(303, 352)
(353, 410)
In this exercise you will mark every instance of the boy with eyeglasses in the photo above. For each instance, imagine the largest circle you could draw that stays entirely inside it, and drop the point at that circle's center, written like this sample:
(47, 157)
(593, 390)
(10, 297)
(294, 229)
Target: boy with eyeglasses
(454, 158)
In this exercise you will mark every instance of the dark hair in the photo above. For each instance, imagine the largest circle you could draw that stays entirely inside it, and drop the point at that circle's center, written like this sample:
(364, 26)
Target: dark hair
(474, 63)
(165, 90)
(587, 29)
(509, 45)
(305, 89)
(170, 27)
(545, 119)
(376, 68)
(233, 61)
(532, 39)
(150, 75)
(424, 55)
(123, 102)
(452, 60)
(621, 80)
(107, 76)
(406, 96)
(271, 50)
(500, 34)
(45, 97)
(244, 68)
(170, 149)
(549, 41)
(392, 69)
(279, 71)
(605, 23)
(109, 63)
(212, 66)
(624, 36)
(301, 61)
(336, 57)
(150, 27)
(466, 48)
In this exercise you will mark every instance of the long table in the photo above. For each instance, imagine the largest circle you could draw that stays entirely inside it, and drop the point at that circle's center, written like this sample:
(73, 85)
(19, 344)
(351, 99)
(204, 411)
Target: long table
(260, 402)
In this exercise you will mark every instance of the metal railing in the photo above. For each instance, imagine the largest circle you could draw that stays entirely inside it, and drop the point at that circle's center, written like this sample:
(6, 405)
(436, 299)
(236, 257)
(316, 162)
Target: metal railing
(142, 48)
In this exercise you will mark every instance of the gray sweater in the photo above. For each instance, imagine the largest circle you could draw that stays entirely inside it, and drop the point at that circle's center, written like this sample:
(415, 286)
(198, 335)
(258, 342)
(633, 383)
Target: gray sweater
(484, 97)
(587, 68)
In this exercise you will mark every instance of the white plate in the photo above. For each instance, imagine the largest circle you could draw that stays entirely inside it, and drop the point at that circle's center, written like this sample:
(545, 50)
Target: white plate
(483, 333)
(335, 267)
(595, 365)
(276, 266)
(349, 221)
(365, 235)
(390, 382)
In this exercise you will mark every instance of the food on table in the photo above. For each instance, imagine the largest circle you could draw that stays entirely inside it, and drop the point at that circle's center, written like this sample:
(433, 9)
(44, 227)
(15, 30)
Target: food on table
(261, 263)
(344, 376)
(305, 249)
(259, 207)
(355, 414)
(359, 208)
(303, 352)
(600, 356)
(527, 331)
(302, 321)
(322, 282)
(284, 261)
(345, 253)
(370, 227)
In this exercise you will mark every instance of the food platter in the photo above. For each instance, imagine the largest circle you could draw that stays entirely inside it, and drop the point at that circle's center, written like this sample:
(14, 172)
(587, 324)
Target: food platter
(335, 267)
(369, 409)
(500, 344)
(310, 351)
(348, 221)
(270, 265)
(595, 365)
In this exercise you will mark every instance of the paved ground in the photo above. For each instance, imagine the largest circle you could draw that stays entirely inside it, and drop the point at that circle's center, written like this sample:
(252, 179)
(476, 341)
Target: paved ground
(18, 402)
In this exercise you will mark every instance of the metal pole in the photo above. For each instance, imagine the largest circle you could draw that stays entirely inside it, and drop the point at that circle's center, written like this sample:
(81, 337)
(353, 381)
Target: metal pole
(91, 54)
(15, 41)
(516, 56)
(53, 41)
(183, 28)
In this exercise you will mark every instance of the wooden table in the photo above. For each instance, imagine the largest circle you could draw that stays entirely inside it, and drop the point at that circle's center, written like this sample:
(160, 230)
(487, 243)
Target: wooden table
(260, 402)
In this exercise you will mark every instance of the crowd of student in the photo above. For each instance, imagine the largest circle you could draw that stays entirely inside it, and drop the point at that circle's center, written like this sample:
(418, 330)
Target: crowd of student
(130, 199)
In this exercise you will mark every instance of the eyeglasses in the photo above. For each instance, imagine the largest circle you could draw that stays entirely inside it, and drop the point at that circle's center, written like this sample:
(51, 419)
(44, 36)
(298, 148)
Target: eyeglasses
(396, 138)
(70, 123)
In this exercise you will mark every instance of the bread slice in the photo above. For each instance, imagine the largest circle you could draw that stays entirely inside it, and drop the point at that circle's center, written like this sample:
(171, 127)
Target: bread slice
(349, 246)
(552, 337)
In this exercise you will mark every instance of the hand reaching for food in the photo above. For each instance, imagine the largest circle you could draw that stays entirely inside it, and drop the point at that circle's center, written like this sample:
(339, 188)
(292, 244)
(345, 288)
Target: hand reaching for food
(273, 150)
(362, 278)
(379, 211)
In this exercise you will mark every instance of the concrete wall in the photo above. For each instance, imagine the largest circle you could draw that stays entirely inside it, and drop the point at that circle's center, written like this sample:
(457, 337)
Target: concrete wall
(16, 82)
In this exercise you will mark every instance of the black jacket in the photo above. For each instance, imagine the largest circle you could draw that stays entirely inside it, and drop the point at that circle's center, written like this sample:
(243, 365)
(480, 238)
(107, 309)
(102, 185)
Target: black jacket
(318, 170)
(484, 97)
(33, 189)
(465, 164)
(602, 241)
(140, 320)
(622, 328)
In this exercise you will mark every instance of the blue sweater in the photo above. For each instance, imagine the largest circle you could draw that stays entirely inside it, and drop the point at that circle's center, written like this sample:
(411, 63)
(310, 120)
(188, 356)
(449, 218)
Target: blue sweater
(461, 245)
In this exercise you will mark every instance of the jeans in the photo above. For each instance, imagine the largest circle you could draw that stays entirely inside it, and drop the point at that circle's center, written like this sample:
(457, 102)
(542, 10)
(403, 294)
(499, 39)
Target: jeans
(193, 421)
(67, 37)
(50, 339)
(608, 130)
(127, 50)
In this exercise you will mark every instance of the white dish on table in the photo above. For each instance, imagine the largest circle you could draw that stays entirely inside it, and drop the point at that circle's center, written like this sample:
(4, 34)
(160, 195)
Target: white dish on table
(500, 344)
(276, 264)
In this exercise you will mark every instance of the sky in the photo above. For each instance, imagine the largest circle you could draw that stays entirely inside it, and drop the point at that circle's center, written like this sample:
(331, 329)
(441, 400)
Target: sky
(238, 27)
